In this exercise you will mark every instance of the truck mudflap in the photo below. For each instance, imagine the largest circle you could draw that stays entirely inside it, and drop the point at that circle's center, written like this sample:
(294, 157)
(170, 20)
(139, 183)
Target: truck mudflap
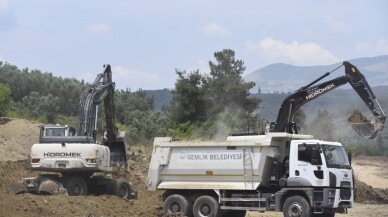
(37, 185)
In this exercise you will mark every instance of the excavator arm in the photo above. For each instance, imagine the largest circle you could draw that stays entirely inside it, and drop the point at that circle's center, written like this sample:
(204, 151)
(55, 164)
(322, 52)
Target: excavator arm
(101, 90)
(365, 128)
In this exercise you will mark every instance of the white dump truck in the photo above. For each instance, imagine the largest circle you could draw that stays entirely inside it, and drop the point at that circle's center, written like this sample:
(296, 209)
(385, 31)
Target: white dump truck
(288, 173)
(279, 170)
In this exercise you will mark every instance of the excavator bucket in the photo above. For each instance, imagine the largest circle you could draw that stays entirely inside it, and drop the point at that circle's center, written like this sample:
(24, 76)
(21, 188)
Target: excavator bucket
(37, 185)
(365, 128)
(118, 154)
(18, 188)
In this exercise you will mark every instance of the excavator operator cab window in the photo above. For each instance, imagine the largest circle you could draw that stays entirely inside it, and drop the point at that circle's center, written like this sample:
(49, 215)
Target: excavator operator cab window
(55, 132)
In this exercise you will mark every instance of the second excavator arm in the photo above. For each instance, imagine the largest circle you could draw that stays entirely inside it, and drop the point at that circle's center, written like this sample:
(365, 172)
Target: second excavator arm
(101, 90)
(367, 129)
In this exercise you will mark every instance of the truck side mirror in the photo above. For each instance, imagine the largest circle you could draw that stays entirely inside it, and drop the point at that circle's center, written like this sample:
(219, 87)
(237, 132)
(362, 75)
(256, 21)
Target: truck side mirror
(349, 157)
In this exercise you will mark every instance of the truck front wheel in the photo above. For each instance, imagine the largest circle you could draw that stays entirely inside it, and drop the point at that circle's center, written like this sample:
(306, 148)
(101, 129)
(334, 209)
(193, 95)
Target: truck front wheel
(177, 203)
(296, 206)
(206, 206)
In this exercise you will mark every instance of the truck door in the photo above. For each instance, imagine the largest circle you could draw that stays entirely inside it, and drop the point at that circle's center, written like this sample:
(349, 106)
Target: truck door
(306, 168)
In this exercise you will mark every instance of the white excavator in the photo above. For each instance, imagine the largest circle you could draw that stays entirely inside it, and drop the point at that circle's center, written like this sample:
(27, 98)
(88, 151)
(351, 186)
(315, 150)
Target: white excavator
(75, 164)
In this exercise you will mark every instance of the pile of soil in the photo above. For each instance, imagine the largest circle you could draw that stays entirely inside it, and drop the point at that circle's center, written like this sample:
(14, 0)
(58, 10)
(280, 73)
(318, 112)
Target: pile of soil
(147, 204)
(367, 194)
(16, 138)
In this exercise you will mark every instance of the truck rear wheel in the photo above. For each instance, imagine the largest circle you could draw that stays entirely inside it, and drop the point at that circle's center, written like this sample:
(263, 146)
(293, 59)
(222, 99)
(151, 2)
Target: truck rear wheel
(296, 206)
(206, 206)
(177, 203)
(76, 186)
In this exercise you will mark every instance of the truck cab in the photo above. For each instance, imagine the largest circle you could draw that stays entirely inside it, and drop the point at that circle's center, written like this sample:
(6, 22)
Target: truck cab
(325, 168)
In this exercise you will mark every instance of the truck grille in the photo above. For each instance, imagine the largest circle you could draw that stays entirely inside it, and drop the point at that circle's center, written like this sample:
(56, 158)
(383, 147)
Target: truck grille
(345, 192)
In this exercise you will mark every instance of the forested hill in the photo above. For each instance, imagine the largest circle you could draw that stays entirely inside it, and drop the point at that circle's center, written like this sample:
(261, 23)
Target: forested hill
(161, 97)
(40, 93)
(32, 94)
(337, 102)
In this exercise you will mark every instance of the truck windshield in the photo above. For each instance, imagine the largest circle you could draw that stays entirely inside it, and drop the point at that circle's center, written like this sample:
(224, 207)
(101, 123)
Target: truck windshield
(335, 157)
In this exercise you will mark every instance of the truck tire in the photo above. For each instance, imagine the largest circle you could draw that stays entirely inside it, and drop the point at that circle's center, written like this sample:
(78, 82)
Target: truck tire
(121, 188)
(177, 203)
(76, 186)
(206, 206)
(296, 206)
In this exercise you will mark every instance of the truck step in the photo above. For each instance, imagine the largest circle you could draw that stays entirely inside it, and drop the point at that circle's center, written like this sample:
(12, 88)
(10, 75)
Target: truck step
(260, 209)
(242, 199)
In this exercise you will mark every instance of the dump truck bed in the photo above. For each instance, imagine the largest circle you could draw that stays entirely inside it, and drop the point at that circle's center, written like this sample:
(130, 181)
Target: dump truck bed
(236, 164)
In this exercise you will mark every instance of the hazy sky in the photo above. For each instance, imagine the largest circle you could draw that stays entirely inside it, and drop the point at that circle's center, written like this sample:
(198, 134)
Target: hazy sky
(145, 41)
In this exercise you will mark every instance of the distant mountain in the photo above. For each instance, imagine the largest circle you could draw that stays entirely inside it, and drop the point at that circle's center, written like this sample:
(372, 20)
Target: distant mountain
(288, 78)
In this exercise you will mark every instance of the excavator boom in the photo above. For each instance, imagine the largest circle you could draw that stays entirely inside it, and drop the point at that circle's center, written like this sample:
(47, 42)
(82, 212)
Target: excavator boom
(365, 128)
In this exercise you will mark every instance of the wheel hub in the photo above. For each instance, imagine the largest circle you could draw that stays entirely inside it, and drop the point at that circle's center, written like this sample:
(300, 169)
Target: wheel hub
(175, 207)
(205, 209)
(295, 210)
(122, 191)
(77, 189)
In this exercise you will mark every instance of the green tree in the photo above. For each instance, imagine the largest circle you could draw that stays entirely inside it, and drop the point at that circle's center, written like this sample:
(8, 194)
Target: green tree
(36, 105)
(136, 111)
(213, 104)
(5, 99)
(227, 89)
(188, 98)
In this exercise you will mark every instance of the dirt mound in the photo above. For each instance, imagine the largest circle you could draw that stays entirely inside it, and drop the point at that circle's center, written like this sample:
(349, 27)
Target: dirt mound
(367, 194)
(14, 170)
(16, 139)
(147, 204)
